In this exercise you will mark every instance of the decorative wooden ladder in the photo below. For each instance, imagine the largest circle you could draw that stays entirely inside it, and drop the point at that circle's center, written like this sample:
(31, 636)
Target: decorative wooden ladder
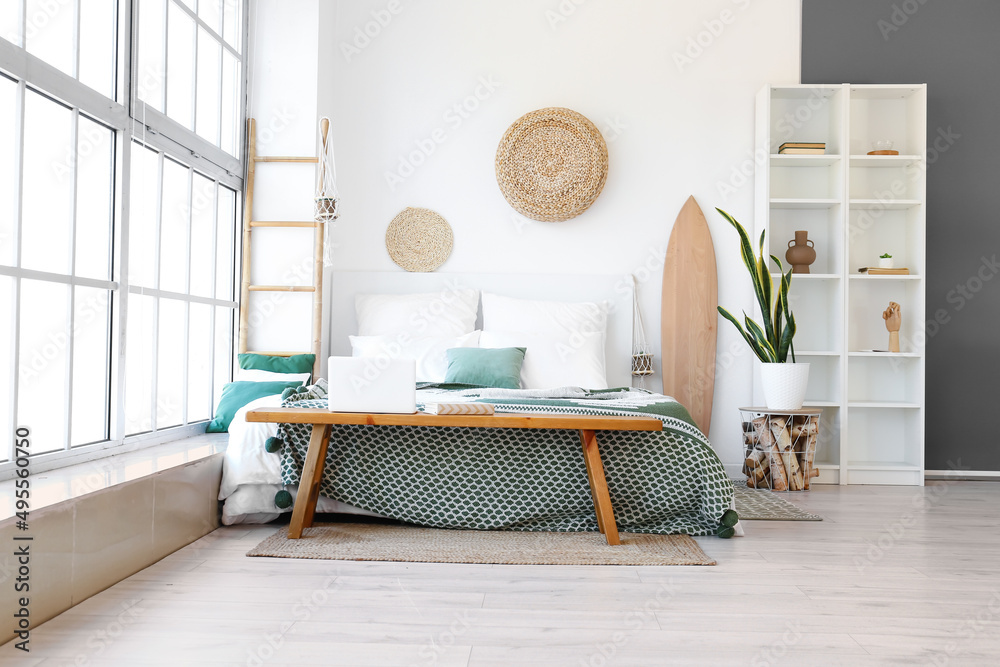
(249, 224)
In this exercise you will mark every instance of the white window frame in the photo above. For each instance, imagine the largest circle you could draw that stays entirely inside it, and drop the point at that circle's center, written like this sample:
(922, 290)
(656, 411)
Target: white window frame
(159, 133)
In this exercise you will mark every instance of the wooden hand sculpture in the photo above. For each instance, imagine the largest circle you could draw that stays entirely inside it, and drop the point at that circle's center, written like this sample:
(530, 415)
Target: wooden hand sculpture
(893, 319)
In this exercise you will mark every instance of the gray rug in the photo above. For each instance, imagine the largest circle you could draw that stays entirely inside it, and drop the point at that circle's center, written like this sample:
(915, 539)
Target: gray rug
(359, 541)
(761, 504)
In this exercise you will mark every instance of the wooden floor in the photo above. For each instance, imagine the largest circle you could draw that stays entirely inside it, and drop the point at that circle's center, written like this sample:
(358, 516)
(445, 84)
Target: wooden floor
(892, 576)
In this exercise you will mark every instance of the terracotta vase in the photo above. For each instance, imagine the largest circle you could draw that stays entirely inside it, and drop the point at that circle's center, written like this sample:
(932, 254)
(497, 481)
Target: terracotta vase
(800, 253)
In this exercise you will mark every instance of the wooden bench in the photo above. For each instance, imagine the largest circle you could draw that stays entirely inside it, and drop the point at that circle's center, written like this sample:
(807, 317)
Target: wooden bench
(323, 420)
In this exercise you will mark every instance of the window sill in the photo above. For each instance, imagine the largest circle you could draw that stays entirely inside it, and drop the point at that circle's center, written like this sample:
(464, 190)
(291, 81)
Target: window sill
(67, 483)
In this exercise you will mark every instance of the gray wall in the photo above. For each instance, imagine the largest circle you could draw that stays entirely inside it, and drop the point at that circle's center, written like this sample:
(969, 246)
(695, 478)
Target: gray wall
(952, 47)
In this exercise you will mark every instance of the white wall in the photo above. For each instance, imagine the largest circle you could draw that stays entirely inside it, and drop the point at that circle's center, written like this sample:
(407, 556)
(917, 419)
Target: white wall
(674, 128)
(283, 95)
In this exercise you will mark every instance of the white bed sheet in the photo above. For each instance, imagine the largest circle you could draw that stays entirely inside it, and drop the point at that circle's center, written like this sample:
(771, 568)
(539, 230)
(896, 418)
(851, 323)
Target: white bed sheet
(251, 475)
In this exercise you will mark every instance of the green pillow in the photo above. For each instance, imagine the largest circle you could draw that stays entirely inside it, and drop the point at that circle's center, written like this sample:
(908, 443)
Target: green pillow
(297, 363)
(237, 394)
(485, 367)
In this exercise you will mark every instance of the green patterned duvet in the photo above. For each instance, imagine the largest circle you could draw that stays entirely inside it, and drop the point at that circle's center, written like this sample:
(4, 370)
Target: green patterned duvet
(518, 479)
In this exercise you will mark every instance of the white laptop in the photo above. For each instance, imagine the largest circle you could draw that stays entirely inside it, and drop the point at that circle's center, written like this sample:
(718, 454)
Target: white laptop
(372, 384)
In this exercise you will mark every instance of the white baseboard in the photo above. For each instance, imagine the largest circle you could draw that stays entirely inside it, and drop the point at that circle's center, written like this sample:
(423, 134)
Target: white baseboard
(985, 475)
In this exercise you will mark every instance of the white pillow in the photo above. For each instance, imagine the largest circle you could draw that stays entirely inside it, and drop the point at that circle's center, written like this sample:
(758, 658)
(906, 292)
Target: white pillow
(255, 375)
(551, 362)
(555, 319)
(450, 312)
(430, 352)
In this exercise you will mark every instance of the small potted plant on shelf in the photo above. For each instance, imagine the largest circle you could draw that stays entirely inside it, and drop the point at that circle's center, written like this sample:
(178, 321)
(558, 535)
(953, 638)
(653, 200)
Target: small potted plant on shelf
(885, 261)
(784, 382)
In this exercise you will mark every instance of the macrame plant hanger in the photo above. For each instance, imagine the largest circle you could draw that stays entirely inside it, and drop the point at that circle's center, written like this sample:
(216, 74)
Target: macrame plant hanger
(642, 357)
(327, 195)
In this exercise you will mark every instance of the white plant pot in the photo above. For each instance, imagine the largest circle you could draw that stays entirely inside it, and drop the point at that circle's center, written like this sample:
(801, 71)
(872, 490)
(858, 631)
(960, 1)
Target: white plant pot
(784, 385)
(885, 262)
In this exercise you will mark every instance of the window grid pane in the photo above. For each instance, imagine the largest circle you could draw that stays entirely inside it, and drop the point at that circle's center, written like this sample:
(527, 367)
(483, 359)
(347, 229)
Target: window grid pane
(175, 214)
(203, 210)
(98, 42)
(200, 345)
(43, 363)
(95, 157)
(91, 388)
(50, 33)
(170, 363)
(209, 86)
(224, 245)
(6, 368)
(10, 23)
(180, 66)
(144, 216)
(150, 72)
(47, 191)
(9, 139)
(232, 11)
(139, 364)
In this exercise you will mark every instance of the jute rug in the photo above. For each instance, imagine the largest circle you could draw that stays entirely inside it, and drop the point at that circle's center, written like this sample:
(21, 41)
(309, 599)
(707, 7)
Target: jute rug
(359, 541)
(765, 505)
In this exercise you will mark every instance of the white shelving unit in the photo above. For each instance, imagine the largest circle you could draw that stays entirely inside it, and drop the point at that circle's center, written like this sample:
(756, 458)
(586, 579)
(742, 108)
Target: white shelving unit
(854, 206)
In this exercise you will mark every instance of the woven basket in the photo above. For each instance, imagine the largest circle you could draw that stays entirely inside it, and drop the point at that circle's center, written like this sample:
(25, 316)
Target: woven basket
(552, 164)
(418, 239)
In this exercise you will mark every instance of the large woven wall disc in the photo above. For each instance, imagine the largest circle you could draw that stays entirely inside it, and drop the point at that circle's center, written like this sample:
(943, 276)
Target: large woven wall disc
(418, 239)
(551, 164)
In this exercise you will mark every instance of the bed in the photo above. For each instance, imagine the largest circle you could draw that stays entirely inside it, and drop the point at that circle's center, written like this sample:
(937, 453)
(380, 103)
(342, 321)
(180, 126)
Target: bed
(660, 482)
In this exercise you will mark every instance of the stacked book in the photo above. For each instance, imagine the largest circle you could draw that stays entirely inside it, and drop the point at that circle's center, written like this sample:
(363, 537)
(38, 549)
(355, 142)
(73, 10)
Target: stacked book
(801, 148)
(471, 408)
(875, 271)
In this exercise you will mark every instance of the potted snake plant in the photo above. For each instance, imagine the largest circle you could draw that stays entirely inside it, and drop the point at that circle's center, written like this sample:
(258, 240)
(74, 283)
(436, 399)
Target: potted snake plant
(783, 381)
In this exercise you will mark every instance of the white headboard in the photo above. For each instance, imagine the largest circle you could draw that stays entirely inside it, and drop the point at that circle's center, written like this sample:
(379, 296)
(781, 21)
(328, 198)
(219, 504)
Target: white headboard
(615, 289)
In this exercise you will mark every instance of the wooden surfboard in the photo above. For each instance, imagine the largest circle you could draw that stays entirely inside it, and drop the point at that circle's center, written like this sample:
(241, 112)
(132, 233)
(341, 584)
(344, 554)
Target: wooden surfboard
(689, 315)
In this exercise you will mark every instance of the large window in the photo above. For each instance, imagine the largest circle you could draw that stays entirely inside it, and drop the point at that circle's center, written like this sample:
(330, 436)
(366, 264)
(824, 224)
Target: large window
(120, 184)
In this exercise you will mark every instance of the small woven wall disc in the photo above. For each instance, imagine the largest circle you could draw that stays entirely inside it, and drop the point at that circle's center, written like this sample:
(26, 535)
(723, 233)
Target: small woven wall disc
(418, 239)
(552, 164)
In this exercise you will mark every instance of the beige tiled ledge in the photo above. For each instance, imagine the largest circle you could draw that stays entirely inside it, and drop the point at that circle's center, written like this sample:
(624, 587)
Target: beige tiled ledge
(56, 486)
(94, 524)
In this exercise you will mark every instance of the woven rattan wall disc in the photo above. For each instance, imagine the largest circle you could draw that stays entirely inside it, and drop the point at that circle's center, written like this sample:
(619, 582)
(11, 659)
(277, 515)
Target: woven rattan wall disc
(552, 164)
(418, 239)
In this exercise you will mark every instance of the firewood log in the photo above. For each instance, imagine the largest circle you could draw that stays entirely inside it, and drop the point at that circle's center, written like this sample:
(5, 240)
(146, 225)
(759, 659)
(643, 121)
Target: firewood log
(763, 432)
(810, 458)
(805, 428)
(783, 442)
(756, 460)
(779, 479)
